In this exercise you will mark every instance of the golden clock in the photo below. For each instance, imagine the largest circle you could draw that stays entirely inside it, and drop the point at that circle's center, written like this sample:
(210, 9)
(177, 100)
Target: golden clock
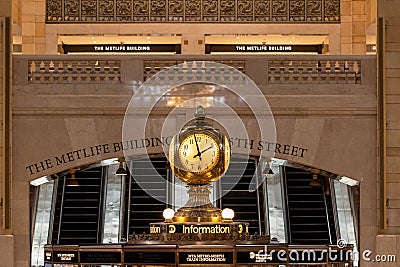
(199, 154)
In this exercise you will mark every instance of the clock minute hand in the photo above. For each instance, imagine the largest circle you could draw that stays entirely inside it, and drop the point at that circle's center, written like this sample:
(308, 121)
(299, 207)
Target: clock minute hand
(206, 149)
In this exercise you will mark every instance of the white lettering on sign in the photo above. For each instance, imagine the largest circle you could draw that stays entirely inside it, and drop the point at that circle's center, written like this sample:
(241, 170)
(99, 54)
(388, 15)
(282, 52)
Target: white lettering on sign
(255, 48)
(65, 256)
(203, 257)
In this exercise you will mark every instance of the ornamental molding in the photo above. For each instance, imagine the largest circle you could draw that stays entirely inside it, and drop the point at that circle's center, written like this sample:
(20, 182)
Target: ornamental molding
(195, 11)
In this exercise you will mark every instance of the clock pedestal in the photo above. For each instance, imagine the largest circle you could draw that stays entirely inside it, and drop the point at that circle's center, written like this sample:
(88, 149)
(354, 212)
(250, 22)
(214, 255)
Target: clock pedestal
(198, 208)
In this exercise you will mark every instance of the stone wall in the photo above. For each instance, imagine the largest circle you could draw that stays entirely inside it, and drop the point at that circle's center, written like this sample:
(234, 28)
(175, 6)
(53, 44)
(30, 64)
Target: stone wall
(388, 242)
(392, 69)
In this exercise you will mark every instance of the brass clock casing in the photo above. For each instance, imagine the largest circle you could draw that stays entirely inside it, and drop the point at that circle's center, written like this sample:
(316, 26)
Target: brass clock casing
(202, 163)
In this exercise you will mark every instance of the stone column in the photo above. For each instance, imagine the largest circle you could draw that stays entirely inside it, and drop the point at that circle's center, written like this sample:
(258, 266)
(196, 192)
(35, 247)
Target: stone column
(6, 237)
(358, 17)
(33, 27)
(353, 26)
(388, 242)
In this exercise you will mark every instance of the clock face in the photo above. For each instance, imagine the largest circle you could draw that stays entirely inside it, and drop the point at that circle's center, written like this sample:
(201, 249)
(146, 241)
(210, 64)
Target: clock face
(199, 153)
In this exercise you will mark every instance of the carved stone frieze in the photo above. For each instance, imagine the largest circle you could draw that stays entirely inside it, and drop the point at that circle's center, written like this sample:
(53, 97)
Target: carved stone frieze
(89, 7)
(332, 10)
(54, 10)
(106, 8)
(262, 10)
(158, 11)
(193, 10)
(175, 11)
(141, 8)
(89, 10)
(227, 7)
(71, 10)
(280, 10)
(176, 7)
(210, 7)
(124, 10)
(314, 10)
(297, 10)
(245, 7)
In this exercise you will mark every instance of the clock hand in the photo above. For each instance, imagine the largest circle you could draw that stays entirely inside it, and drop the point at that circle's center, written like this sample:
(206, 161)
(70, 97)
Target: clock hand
(197, 155)
(197, 147)
(206, 149)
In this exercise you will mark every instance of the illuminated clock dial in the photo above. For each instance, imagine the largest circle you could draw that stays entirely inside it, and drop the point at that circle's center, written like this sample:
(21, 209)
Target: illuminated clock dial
(199, 153)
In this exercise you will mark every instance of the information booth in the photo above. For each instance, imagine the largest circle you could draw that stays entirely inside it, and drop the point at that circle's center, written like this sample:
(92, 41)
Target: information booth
(152, 254)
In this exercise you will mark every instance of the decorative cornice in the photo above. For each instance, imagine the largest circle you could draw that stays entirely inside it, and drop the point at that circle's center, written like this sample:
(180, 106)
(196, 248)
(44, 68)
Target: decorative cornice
(193, 11)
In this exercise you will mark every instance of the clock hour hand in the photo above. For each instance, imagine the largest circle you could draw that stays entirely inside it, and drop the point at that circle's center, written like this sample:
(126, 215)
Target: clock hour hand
(197, 147)
(197, 155)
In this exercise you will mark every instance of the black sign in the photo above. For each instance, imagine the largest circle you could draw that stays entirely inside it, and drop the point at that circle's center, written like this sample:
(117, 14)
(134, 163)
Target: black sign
(104, 257)
(207, 258)
(64, 256)
(123, 48)
(155, 257)
(218, 228)
(260, 257)
(278, 48)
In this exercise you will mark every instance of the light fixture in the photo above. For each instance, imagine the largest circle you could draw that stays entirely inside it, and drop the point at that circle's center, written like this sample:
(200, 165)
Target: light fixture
(72, 181)
(107, 162)
(275, 164)
(168, 214)
(121, 171)
(228, 214)
(40, 181)
(277, 161)
(348, 181)
(315, 182)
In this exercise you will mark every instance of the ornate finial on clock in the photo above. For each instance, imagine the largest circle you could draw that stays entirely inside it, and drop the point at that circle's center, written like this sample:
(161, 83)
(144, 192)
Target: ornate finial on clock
(200, 113)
